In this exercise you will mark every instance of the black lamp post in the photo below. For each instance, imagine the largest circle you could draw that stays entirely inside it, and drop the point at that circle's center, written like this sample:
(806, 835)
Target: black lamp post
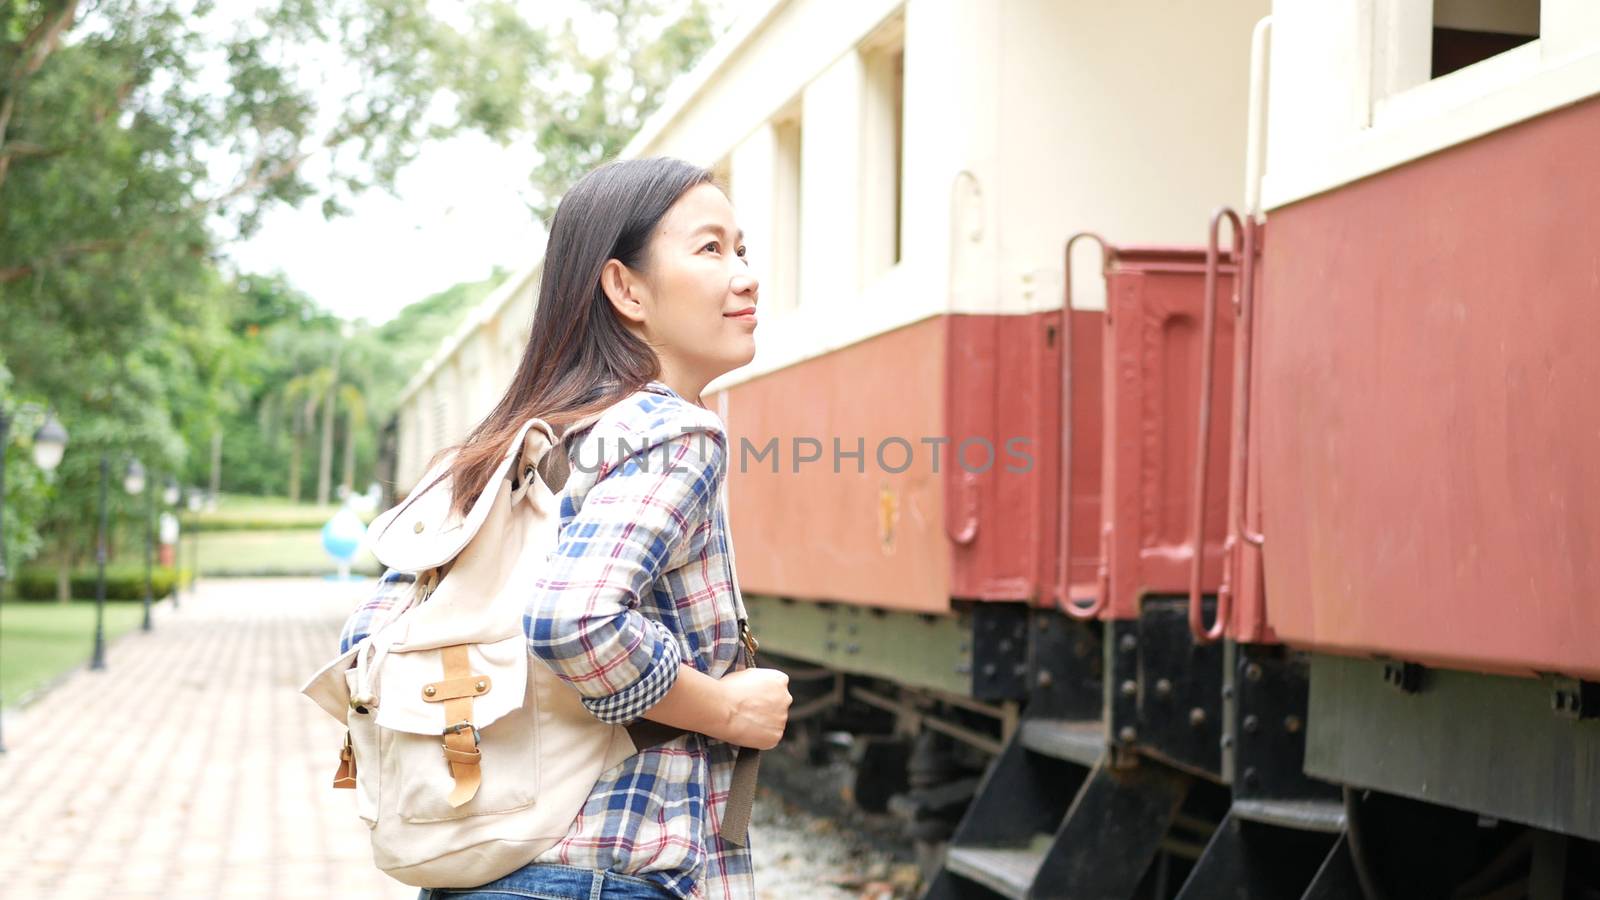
(98, 661)
(133, 483)
(49, 443)
(170, 497)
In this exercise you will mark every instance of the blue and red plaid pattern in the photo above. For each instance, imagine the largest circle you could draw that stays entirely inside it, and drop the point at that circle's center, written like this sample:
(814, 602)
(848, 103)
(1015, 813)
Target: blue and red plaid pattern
(639, 584)
(387, 602)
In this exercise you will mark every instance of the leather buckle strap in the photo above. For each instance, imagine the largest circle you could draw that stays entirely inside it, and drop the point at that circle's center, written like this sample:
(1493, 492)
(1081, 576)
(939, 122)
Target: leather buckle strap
(456, 688)
(464, 725)
(460, 750)
(751, 645)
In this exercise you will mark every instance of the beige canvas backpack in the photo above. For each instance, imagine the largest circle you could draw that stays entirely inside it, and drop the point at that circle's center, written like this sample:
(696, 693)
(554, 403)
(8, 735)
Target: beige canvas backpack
(468, 757)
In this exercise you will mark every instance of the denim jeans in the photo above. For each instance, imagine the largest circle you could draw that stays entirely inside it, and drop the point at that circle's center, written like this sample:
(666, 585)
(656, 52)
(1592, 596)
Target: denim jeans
(550, 881)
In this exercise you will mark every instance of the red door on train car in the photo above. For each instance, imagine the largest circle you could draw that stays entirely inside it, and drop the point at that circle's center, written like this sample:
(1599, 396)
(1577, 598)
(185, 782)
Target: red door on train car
(1151, 384)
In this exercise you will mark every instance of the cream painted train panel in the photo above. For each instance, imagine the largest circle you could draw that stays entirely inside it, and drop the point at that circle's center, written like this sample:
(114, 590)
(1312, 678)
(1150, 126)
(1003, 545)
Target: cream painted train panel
(1019, 122)
(1352, 94)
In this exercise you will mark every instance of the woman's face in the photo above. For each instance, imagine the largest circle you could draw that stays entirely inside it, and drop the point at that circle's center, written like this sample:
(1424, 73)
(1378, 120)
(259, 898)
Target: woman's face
(694, 301)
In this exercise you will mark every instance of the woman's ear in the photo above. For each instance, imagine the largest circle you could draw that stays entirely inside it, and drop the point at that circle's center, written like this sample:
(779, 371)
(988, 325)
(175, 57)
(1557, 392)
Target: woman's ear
(623, 289)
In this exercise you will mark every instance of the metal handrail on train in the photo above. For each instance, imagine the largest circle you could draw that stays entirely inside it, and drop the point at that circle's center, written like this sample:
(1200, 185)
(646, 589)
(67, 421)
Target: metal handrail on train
(1064, 599)
(1208, 333)
(1243, 335)
(1245, 325)
(968, 500)
(1239, 457)
(1244, 331)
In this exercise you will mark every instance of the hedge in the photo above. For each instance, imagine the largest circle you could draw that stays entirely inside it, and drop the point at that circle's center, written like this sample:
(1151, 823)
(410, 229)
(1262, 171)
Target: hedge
(123, 582)
(213, 525)
(249, 523)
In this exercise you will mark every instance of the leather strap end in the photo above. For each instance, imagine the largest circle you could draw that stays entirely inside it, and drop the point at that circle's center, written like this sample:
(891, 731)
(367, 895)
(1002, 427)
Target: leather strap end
(344, 778)
(741, 798)
(466, 787)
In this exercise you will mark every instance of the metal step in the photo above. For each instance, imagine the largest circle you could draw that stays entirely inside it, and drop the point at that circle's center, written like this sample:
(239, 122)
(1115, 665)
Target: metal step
(1076, 740)
(1008, 871)
(1302, 815)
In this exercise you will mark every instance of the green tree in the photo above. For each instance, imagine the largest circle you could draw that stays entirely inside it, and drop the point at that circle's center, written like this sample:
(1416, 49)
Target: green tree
(355, 411)
(139, 137)
(584, 107)
(27, 489)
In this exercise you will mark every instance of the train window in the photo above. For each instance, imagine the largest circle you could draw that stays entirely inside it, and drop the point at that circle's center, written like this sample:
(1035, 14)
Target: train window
(883, 63)
(1358, 88)
(1427, 59)
(1470, 31)
(783, 264)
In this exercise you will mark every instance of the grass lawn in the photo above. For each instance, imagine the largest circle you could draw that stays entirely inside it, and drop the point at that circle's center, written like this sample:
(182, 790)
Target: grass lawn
(238, 511)
(39, 641)
(276, 552)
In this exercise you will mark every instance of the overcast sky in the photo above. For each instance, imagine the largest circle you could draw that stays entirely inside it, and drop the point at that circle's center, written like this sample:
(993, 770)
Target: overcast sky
(457, 212)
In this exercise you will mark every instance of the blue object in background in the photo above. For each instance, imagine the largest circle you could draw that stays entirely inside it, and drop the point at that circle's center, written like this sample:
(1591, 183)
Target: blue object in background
(342, 537)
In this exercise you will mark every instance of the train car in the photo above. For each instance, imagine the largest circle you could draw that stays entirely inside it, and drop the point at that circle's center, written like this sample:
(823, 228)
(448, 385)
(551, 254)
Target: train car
(1113, 781)
(1227, 555)
(905, 172)
(1416, 493)
(902, 438)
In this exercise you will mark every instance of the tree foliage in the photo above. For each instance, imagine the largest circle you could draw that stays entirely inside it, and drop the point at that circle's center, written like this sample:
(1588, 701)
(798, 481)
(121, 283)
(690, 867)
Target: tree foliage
(139, 137)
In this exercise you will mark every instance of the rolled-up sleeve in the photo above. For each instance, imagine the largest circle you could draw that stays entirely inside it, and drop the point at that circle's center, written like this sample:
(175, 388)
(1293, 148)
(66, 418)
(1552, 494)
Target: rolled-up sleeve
(583, 619)
(390, 598)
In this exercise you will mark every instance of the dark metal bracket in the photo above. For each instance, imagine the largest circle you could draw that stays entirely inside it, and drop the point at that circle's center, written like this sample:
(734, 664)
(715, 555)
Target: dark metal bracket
(1573, 698)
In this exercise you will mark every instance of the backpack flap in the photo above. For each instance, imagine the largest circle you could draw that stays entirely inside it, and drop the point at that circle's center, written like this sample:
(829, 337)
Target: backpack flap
(422, 532)
(414, 686)
(483, 598)
(328, 688)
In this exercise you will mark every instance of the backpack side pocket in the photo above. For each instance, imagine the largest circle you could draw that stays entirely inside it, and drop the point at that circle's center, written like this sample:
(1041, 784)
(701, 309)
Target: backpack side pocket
(364, 745)
(417, 777)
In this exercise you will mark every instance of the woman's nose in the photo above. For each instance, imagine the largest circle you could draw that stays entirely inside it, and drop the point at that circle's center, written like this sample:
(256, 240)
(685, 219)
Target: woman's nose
(745, 283)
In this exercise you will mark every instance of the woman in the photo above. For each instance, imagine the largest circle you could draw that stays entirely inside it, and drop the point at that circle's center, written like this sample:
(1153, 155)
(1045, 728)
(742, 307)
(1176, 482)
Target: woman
(646, 297)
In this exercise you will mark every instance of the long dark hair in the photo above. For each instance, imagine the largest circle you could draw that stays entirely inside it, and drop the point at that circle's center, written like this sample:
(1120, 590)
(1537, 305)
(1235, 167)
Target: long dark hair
(580, 358)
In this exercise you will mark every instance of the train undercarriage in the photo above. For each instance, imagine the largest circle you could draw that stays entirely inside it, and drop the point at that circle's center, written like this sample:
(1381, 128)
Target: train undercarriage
(1028, 754)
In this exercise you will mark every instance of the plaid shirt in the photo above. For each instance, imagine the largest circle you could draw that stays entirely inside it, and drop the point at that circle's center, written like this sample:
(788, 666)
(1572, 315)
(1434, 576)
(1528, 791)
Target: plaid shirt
(640, 583)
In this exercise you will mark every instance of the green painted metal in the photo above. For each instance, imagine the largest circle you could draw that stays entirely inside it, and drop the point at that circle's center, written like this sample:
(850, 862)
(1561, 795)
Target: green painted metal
(913, 649)
(1490, 744)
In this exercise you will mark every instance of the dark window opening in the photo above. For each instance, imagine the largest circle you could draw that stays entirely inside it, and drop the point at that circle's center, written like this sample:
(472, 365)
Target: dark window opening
(1456, 48)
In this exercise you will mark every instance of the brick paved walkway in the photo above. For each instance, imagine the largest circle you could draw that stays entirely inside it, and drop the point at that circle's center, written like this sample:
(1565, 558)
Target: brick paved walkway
(191, 767)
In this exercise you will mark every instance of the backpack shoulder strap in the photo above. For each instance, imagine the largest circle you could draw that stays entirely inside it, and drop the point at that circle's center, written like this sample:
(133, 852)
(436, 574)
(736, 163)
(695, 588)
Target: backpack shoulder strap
(557, 465)
(424, 532)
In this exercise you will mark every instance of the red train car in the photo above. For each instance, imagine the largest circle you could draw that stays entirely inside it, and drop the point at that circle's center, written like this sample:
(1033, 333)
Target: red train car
(1322, 622)
(1421, 492)
(1271, 578)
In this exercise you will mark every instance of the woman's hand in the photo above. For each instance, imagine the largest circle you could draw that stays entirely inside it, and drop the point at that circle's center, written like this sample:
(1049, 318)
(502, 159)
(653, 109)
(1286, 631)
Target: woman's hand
(758, 707)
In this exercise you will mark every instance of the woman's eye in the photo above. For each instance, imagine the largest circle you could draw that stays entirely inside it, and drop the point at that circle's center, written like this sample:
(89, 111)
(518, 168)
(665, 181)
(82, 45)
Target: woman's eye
(713, 247)
(741, 250)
